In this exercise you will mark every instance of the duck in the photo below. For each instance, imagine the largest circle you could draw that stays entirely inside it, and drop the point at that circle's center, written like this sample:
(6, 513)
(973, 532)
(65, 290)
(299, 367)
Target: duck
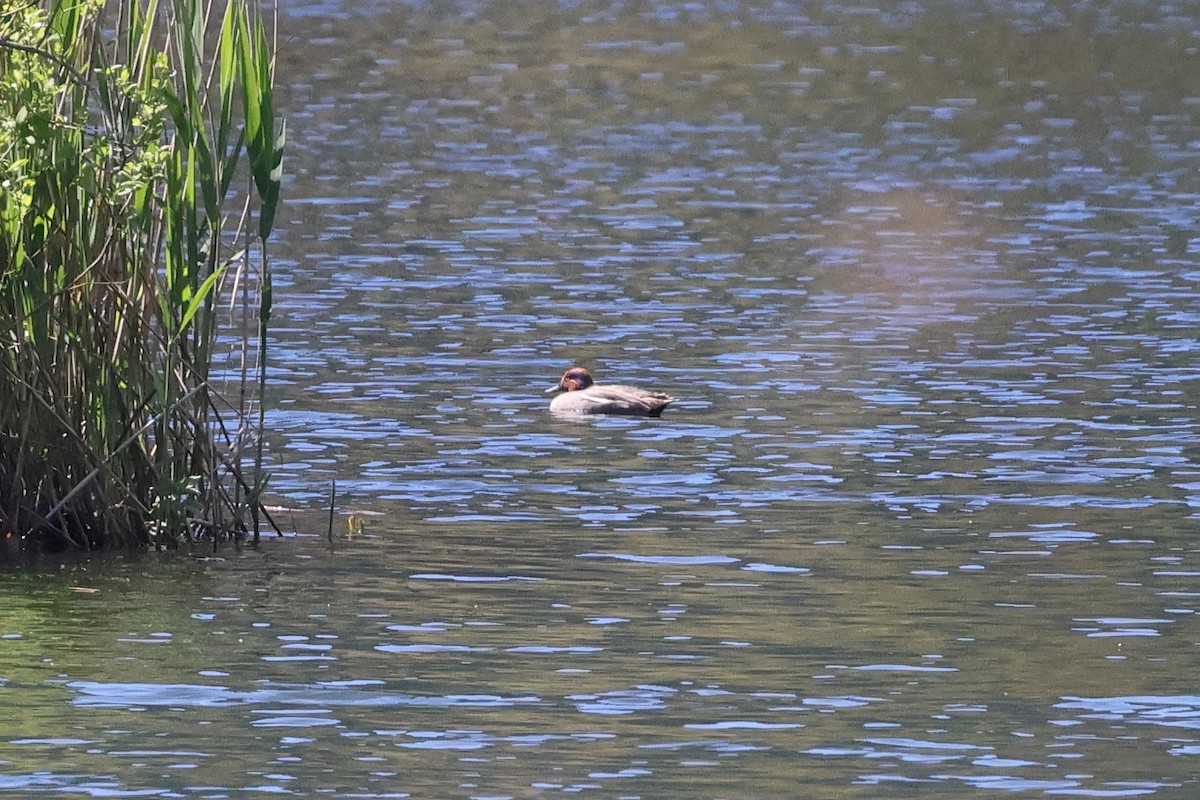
(582, 395)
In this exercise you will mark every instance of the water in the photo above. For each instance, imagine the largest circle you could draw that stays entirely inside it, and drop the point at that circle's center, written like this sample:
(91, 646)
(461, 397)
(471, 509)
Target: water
(922, 523)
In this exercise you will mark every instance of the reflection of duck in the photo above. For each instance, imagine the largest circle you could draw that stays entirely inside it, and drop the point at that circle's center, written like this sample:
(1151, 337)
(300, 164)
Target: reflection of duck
(582, 395)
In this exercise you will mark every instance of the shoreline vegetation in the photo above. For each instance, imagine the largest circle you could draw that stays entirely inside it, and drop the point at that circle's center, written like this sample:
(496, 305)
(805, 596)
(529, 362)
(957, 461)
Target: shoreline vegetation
(139, 177)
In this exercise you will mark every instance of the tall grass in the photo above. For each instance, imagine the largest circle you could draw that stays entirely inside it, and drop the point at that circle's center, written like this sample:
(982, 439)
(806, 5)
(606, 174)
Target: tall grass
(139, 178)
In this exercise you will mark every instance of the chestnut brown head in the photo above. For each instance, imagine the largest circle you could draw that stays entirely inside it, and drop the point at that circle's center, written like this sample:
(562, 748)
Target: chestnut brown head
(574, 379)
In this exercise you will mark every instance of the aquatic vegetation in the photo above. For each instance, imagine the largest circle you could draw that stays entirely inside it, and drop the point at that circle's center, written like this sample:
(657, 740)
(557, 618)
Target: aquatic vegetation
(139, 178)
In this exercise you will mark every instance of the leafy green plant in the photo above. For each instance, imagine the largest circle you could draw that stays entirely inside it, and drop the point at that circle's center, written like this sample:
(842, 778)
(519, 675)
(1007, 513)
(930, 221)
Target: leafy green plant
(129, 267)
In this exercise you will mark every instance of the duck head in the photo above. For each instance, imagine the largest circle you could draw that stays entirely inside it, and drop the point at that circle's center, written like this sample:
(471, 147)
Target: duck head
(573, 380)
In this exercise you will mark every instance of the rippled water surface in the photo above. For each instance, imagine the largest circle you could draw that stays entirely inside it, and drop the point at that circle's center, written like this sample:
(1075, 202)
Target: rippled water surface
(923, 521)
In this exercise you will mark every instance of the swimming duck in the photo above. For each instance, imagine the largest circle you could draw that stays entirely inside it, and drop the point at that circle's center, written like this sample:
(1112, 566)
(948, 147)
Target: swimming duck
(582, 395)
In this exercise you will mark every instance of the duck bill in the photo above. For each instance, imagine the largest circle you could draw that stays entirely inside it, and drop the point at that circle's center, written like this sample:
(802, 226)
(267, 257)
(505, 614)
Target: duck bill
(554, 388)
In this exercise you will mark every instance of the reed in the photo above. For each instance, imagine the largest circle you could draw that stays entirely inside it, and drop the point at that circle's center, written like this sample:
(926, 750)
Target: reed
(139, 178)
